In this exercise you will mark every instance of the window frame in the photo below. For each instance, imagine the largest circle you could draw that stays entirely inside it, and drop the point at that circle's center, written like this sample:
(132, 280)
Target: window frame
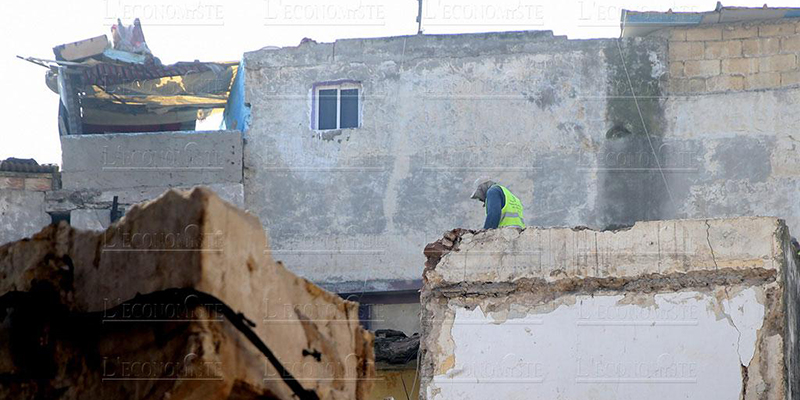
(338, 86)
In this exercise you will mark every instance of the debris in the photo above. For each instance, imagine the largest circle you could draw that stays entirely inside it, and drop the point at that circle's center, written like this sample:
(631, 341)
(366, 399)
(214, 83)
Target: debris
(168, 304)
(394, 347)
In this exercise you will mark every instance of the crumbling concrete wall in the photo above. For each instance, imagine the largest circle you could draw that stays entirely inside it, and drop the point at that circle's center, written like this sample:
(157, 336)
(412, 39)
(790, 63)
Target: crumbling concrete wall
(530, 109)
(138, 167)
(22, 213)
(84, 314)
(705, 308)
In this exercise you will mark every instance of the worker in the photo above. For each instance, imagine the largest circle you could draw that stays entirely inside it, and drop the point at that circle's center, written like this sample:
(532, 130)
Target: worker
(502, 207)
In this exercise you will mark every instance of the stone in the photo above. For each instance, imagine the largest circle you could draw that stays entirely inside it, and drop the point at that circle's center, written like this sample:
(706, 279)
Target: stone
(760, 47)
(762, 81)
(740, 66)
(702, 68)
(703, 34)
(113, 331)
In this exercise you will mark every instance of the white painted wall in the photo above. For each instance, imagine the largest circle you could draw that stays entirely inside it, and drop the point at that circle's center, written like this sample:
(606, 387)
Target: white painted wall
(685, 345)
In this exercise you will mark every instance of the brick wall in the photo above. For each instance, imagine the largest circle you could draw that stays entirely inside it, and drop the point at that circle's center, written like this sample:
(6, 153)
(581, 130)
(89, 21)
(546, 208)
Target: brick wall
(738, 56)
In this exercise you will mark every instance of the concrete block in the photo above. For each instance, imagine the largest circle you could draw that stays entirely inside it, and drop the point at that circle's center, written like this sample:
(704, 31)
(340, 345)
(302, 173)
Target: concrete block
(739, 32)
(785, 29)
(677, 35)
(704, 34)
(93, 220)
(740, 66)
(790, 44)
(790, 78)
(687, 85)
(22, 213)
(762, 80)
(12, 182)
(114, 161)
(92, 297)
(702, 68)
(680, 51)
(676, 69)
(723, 49)
(723, 83)
(777, 63)
(706, 306)
(760, 47)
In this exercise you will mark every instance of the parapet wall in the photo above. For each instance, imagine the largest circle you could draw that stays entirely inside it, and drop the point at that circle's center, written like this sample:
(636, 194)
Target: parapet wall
(703, 308)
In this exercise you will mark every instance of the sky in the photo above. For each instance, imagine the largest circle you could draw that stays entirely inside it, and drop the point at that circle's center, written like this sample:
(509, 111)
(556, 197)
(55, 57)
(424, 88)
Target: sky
(219, 30)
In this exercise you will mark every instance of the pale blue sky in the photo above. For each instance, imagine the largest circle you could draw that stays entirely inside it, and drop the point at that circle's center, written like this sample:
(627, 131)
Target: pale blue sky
(219, 30)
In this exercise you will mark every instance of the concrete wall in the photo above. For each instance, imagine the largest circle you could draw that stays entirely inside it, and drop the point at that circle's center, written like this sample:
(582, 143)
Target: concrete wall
(666, 309)
(585, 132)
(22, 213)
(352, 208)
(137, 167)
(122, 161)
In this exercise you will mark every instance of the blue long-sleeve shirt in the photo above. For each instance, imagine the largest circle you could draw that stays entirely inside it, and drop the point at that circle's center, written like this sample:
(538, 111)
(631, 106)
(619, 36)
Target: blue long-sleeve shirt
(495, 201)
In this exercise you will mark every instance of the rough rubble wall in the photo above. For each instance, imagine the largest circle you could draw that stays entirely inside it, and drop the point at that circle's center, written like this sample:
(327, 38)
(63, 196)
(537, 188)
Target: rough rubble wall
(704, 305)
(529, 109)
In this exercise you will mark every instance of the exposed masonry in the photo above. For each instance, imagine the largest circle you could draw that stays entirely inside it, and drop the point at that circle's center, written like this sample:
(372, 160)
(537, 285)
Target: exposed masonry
(736, 56)
(719, 263)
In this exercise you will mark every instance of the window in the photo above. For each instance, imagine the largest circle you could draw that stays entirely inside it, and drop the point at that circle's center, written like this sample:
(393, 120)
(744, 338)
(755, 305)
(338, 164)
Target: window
(336, 106)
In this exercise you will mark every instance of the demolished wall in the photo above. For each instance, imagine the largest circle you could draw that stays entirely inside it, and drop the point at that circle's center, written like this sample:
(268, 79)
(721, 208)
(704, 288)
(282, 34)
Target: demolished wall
(163, 304)
(665, 309)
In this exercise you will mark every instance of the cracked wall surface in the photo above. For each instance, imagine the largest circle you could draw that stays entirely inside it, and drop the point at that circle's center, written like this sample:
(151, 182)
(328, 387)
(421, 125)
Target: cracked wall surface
(439, 110)
(664, 309)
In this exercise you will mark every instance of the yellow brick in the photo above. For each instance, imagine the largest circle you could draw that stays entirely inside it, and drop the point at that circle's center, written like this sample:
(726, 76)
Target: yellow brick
(790, 44)
(760, 47)
(790, 78)
(702, 34)
(723, 49)
(701, 68)
(724, 82)
(679, 51)
(776, 30)
(762, 80)
(739, 32)
(694, 85)
(676, 69)
(677, 35)
(740, 66)
(779, 63)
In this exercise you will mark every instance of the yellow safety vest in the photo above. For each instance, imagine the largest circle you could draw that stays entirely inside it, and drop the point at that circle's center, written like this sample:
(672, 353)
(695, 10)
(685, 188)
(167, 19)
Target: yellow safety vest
(511, 214)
